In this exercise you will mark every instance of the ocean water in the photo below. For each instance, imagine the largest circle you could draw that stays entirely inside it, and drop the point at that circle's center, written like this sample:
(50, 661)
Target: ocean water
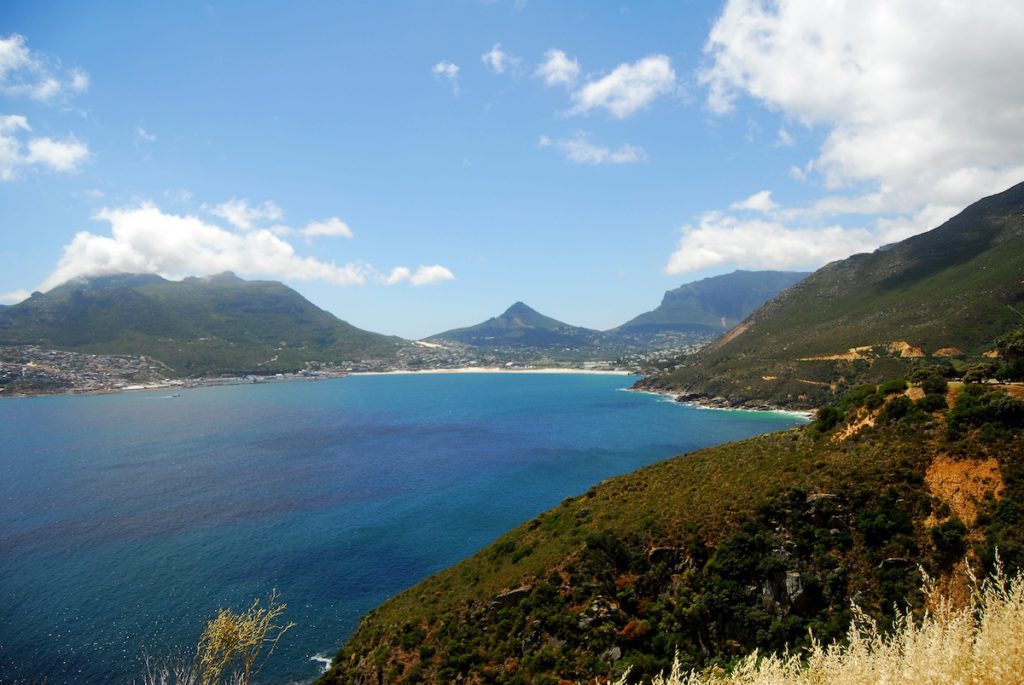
(126, 520)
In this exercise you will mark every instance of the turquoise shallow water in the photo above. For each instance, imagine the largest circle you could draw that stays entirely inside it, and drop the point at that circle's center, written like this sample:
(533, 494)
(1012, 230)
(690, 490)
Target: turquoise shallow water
(127, 520)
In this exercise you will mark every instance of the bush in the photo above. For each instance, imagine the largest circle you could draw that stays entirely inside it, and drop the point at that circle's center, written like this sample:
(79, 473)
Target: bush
(889, 387)
(932, 403)
(856, 397)
(980, 372)
(895, 409)
(949, 540)
(827, 418)
(930, 379)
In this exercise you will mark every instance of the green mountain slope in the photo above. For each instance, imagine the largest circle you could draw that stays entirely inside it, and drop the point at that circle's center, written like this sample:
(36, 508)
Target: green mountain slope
(713, 304)
(949, 291)
(216, 324)
(716, 553)
(521, 326)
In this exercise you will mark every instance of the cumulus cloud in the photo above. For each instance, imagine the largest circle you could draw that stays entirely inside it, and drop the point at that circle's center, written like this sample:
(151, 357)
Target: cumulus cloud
(628, 88)
(921, 100)
(240, 214)
(557, 69)
(758, 202)
(920, 105)
(579, 149)
(449, 71)
(145, 239)
(423, 275)
(18, 151)
(14, 296)
(497, 60)
(332, 227)
(719, 239)
(24, 72)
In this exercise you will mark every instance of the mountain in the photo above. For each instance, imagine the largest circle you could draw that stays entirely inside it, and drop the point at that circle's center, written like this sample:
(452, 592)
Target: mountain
(753, 545)
(712, 305)
(210, 325)
(521, 327)
(941, 296)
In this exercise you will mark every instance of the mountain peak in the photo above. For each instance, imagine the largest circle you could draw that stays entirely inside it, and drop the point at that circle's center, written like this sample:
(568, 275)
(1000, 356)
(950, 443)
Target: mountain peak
(519, 309)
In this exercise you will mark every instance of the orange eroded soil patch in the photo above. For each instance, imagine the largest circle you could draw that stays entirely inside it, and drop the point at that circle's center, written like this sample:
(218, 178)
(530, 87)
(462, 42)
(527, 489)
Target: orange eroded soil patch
(964, 483)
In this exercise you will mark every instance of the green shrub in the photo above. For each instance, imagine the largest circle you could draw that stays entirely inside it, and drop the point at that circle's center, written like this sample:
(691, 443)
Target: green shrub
(932, 403)
(889, 387)
(827, 418)
(949, 538)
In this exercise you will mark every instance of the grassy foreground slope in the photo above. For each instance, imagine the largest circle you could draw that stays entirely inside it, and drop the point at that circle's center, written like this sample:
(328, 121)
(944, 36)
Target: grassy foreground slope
(216, 324)
(946, 293)
(719, 552)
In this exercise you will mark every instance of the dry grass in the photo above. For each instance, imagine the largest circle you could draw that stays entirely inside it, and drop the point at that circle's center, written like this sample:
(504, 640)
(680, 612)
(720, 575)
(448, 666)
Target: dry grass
(980, 644)
(228, 650)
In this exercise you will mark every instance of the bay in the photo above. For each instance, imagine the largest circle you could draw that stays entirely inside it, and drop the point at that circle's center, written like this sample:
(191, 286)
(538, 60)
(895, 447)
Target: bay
(126, 520)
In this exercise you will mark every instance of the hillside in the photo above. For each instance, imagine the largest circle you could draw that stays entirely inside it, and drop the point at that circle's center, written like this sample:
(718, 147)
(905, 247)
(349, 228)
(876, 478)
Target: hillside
(712, 305)
(520, 326)
(942, 296)
(216, 324)
(713, 554)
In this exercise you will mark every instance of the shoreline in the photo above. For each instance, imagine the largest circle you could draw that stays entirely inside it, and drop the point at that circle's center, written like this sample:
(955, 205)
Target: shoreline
(176, 385)
(498, 369)
(807, 414)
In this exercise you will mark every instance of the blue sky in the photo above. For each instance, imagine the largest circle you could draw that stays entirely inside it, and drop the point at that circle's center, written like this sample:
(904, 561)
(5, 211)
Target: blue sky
(413, 167)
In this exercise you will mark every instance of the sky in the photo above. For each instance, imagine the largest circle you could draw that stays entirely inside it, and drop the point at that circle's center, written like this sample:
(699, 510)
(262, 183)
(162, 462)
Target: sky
(418, 166)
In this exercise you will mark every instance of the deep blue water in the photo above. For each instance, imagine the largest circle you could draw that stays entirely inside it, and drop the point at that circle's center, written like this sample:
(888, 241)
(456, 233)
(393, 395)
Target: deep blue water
(126, 520)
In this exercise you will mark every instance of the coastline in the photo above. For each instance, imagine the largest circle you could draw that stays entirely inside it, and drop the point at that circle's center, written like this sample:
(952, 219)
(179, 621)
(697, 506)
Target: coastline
(498, 369)
(699, 403)
(175, 385)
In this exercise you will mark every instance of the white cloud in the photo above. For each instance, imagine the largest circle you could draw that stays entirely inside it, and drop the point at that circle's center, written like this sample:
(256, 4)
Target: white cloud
(24, 72)
(332, 227)
(497, 60)
(144, 239)
(758, 202)
(448, 70)
(60, 155)
(721, 239)
(579, 149)
(64, 155)
(14, 296)
(143, 136)
(921, 107)
(240, 214)
(423, 275)
(628, 88)
(920, 101)
(558, 69)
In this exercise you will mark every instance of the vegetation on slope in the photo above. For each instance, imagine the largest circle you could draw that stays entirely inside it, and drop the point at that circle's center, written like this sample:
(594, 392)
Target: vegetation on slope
(944, 294)
(198, 326)
(977, 644)
(717, 553)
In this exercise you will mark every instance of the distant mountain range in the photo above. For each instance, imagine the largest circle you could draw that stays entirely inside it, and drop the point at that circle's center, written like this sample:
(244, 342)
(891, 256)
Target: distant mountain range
(223, 324)
(699, 310)
(210, 325)
(713, 305)
(944, 295)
